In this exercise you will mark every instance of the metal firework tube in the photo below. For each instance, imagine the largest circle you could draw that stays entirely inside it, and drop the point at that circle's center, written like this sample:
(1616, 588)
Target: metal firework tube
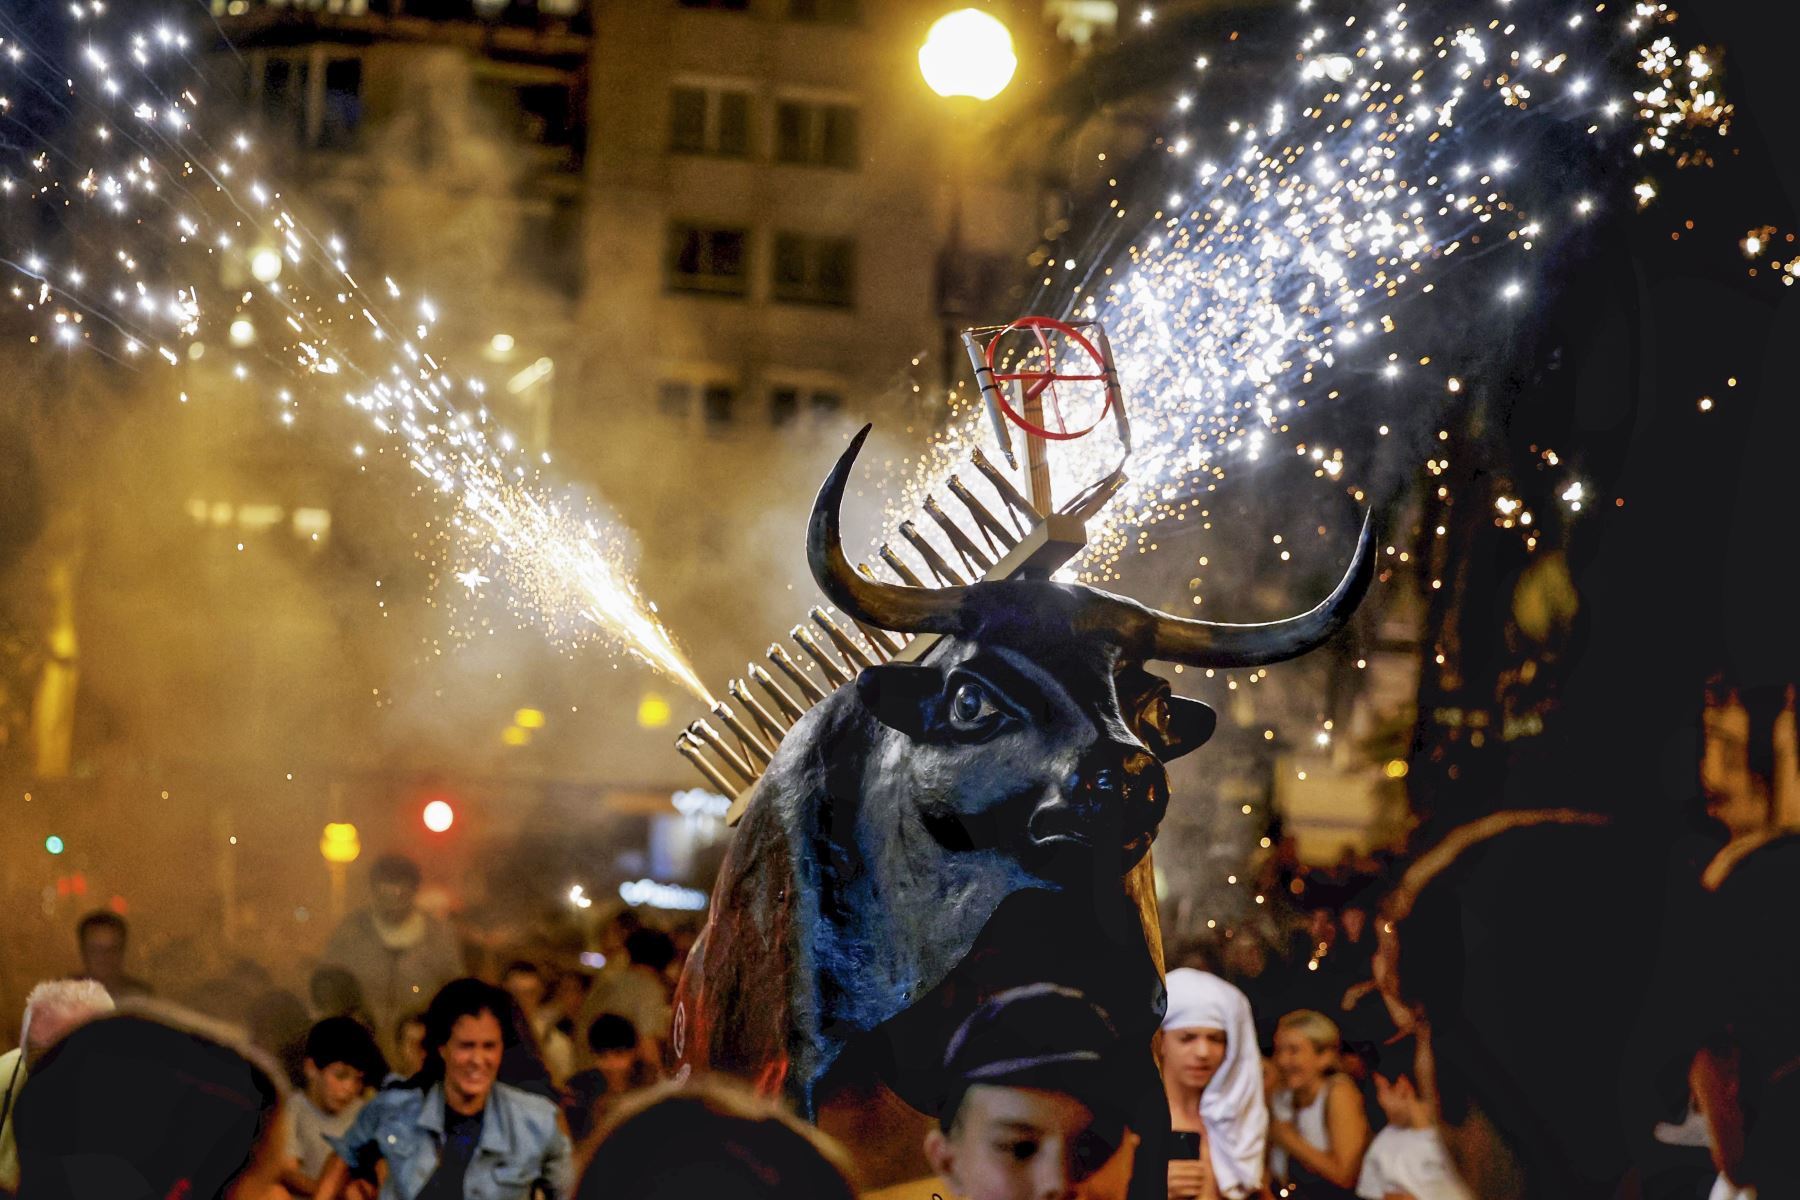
(765, 720)
(836, 674)
(793, 671)
(691, 751)
(706, 733)
(852, 653)
(990, 395)
(1015, 503)
(987, 522)
(790, 707)
(747, 736)
(928, 552)
(885, 644)
(972, 556)
(1115, 394)
(899, 567)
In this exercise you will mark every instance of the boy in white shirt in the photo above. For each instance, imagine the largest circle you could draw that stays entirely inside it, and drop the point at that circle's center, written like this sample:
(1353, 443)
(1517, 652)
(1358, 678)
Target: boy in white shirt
(341, 1062)
(1407, 1160)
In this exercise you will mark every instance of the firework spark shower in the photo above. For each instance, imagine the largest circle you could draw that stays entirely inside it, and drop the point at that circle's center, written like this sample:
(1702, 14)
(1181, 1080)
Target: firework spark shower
(1274, 267)
(169, 242)
(1270, 274)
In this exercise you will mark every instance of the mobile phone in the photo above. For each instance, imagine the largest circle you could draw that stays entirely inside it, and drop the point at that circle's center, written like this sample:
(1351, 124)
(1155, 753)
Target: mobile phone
(1184, 1143)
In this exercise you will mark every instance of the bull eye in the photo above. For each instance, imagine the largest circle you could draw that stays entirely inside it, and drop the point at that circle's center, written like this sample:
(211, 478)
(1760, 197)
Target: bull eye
(972, 708)
(1156, 714)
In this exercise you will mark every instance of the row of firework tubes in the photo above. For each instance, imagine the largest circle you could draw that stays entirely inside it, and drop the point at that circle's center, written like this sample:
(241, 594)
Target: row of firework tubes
(733, 760)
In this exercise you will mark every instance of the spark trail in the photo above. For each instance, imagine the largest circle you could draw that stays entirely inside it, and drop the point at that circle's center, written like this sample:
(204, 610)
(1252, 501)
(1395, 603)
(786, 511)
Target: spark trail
(165, 241)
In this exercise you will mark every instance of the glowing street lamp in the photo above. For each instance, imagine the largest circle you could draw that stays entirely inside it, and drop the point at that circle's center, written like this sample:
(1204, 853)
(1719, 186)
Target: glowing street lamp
(968, 53)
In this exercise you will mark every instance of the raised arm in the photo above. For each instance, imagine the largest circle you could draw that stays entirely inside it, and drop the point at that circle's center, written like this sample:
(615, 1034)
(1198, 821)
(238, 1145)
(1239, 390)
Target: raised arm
(1346, 1128)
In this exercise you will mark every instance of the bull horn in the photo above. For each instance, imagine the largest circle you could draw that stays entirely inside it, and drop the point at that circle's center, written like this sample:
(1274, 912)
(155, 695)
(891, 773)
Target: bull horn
(883, 605)
(1211, 644)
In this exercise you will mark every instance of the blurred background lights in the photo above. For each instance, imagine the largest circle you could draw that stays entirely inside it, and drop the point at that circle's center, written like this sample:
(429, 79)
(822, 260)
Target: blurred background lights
(265, 265)
(653, 711)
(439, 816)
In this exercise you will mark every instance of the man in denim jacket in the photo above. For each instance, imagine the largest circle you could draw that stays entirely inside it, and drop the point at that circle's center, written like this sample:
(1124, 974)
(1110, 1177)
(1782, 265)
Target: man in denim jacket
(455, 1133)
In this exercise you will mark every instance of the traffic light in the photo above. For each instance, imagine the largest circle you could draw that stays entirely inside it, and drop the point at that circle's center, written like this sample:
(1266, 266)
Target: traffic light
(439, 816)
(53, 844)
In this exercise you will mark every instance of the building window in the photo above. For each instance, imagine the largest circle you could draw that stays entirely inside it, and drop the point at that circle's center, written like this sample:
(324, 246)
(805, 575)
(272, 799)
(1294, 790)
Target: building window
(833, 12)
(675, 399)
(815, 270)
(718, 5)
(284, 90)
(547, 114)
(342, 112)
(787, 402)
(717, 400)
(548, 248)
(708, 260)
(784, 406)
(815, 135)
(706, 120)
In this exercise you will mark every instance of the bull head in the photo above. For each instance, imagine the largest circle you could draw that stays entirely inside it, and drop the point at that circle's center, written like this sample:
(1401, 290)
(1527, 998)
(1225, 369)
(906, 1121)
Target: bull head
(943, 829)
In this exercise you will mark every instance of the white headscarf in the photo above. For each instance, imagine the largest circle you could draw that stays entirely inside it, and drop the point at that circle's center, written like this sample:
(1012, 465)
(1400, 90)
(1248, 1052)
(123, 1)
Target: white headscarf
(1232, 1107)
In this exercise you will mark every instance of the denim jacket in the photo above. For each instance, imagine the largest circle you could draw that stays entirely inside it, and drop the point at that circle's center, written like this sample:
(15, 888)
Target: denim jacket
(521, 1145)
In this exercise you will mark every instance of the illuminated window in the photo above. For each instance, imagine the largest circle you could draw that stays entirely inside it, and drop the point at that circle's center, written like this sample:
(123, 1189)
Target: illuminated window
(259, 518)
(312, 523)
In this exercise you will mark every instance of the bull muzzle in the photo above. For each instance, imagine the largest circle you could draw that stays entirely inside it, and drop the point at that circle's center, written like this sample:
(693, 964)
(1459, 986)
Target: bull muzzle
(1111, 804)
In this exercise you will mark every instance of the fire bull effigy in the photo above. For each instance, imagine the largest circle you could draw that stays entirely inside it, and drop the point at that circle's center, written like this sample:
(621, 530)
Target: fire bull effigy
(970, 813)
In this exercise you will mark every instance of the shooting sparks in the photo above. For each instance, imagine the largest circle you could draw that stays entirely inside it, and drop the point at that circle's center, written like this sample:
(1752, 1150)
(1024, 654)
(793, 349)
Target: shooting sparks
(291, 312)
(1386, 166)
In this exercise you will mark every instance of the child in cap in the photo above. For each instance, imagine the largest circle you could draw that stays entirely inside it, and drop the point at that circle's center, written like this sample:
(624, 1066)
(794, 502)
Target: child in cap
(1031, 1101)
(341, 1063)
(1408, 1157)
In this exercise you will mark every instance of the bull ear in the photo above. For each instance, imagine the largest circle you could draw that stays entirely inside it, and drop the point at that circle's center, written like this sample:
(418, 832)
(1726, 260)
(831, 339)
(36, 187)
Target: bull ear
(901, 695)
(1191, 724)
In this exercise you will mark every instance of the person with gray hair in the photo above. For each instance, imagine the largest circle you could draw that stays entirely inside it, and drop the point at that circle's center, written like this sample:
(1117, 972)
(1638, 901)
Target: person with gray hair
(52, 1010)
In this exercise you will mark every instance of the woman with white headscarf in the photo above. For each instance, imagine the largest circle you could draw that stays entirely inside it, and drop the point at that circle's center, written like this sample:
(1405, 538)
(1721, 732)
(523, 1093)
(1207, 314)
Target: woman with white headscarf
(1212, 1071)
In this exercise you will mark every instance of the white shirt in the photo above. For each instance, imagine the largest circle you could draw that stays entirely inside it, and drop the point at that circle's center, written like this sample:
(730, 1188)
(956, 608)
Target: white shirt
(1413, 1161)
(308, 1127)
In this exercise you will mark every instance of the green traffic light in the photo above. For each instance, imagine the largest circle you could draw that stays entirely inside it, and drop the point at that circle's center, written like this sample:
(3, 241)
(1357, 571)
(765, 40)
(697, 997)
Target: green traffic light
(53, 844)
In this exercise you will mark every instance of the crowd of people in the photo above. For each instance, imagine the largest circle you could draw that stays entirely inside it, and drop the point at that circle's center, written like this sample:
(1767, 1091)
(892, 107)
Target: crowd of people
(487, 1092)
(1494, 1019)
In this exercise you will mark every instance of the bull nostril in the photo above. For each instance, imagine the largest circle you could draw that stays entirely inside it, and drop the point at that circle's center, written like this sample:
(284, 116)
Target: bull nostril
(1061, 820)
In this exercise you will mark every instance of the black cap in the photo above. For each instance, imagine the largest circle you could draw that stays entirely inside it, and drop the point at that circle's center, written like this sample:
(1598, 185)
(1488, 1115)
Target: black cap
(1040, 1036)
(131, 1107)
